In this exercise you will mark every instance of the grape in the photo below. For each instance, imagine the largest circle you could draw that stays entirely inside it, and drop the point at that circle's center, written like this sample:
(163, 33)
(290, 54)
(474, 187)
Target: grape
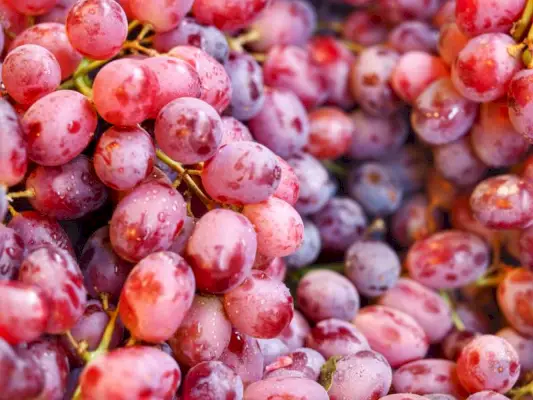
(12, 20)
(176, 79)
(444, 15)
(454, 343)
(23, 312)
(286, 387)
(456, 162)
(440, 396)
(32, 7)
(475, 17)
(377, 137)
(324, 294)
(409, 166)
(244, 357)
(284, 23)
(364, 27)
(403, 396)
(302, 363)
(59, 12)
(58, 127)
(3, 202)
(275, 269)
(216, 84)
(97, 28)
(413, 36)
(334, 61)
(316, 187)
(410, 222)
(289, 184)
(415, 71)
(428, 376)
(483, 69)
(515, 300)
(399, 10)
(282, 124)
(228, 15)
(462, 218)
(278, 226)
(340, 222)
(163, 15)
(61, 282)
(334, 337)
(234, 130)
(363, 375)
(375, 188)
(526, 248)
(330, 133)
(392, 333)
(248, 92)
(180, 241)
(503, 202)
(519, 103)
(310, 249)
(36, 230)
(124, 157)
(189, 130)
(370, 78)
(451, 42)
(131, 373)
(487, 395)
(441, 115)
(475, 320)
(69, 191)
(72, 382)
(294, 334)
(204, 333)
(522, 345)
(11, 252)
(146, 220)
(260, 307)
(13, 153)
(272, 349)
(189, 32)
(372, 266)
(212, 380)
(125, 92)
(220, 261)
(494, 139)
(488, 363)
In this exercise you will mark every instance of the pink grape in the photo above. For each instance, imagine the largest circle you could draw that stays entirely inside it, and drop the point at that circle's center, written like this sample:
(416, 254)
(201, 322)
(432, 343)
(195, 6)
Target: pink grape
(294, 334)
(97, 28)
(11, 19)
(30, 72)
(331, 132)
(243, 355)
(134, 370)
(310, 249)
(462, 218)
(335, 337)
(303, 363)
(286, 387)
(58, 275)
(226, 14)
(260, 307)
(59, 127)
(53, 37)
(278, 226)
(514, 298)
(365, 375)
(272, 349)
(455, 342)
(410, 222)
(523, 346)
(503, 202)
(289, 184)
(176, 79)
(204, 333)
(451, 42)
(163, 15)
(275, 269)
(403, 396)
(364, 27)
(426, 307)
(125, 92)
(189, 130)
(220, 261)
(377, 137)
(282, 124)
(13, 153)
(69, 191)
(58, 13)
(441, 115)
(488, 363)
(475, 17)
(415, 71)
(392, 333)
(234, 130)
(24, 312)
(146, 221)
(32, 7)
(399, 10)
(284, 23)
(487, 395)
(483, 68)
(519, 103)
(216, 84)
(124, 157)
(413, 36)
(156, 296)
(3, 202)
(428, 376)
(212, 380)
(11, 253)
(370, 82)
(324, 294)
(180, 241)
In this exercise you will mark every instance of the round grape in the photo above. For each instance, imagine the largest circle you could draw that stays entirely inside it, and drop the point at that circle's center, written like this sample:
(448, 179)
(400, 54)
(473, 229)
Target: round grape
(294, 334)
(398, 10)
(515, 295)
(487, 395)
(163, 15)
(302, 363)
(11, 253)
(289, 184)
(310, 249)
(13, 153)
(475, 17)
(451, 42)
(409, 166)
(330, 133)
(228, 15)
(364, 27)
(522, 345)
(272, 349)
(234, 130)
(413, 36)
(212, 380)
(243, 355)
(288, 387)
(519, 103)
(32, 7)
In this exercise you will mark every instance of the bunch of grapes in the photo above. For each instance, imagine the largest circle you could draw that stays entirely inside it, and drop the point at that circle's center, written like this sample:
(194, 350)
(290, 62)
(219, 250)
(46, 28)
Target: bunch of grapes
(266, 199)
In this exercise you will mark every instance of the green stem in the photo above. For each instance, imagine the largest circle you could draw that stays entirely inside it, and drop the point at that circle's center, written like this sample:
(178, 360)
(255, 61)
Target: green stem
(336, 169)
(103, 347)
(21, 195)
(87, 66)
(144, 31)
(133, 24)
(82, 86)
(68, 84)
(459, 324)
(519, 27)
(520, 392)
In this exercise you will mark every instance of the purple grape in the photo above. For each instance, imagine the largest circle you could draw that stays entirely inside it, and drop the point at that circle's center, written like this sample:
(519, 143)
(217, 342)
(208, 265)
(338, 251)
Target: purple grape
(409, 166)
(515, 300)
(212, 380)
(302, 363)
(289, 185)
(310, 248)
(413, 36)
(398, 10)
(11, 253)
(72, 383)
(365, 27)
(286, 387)
(440, 396)
(243, 355)
(294, 334)
(13, 153)
(276, 269)
(487, 395)
(523, 346)
(3, 203)
(403, 396)
(455, 342)
(234, 130)
(179, 244)
(272, 349)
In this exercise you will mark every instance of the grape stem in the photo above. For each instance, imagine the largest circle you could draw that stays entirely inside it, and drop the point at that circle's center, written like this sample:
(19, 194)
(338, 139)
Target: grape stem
(492, 281)
(520, 392)
(81, 347)
(104, 298)
(458, 323)
(377, 227)
(135, 45)
(335, 169)
(334, 26)
(519, 27)
(19, 195)
(87, 66)
(133, 24)
(259, 57)
(83, 87)
(12, 211)
(144, 31)
(131, 342)
(237, 43)
(353, 46)
(106, 337)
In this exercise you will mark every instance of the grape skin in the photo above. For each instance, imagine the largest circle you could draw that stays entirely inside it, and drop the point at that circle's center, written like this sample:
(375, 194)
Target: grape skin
(13, 153)
(234, 130)
(523, 346)
(182, 238)
(399, 10)
(3, 203)
(294, 334)
(212, 380)
(409, 166)
(451, 42)
(276, 269)
(32, 7)
(289, 184)
(11, 253)
(163, 15)
(59, 12)
(413, 36)
(310, 249)
(226, 14)
(515, 300)
(286, 387)
(303, 363)
(519, 103)
(272, 349)
(487, 395)
(364, 27)
(331, 132)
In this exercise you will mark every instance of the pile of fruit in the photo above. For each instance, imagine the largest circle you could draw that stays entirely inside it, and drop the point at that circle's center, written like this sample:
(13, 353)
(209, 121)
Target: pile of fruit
(266, 200)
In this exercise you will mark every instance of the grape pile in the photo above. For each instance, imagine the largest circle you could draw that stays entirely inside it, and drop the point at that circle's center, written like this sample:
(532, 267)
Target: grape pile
(266, 199)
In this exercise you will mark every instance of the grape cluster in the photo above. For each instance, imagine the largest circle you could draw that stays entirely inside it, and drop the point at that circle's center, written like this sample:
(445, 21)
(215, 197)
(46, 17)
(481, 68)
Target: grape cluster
(266, 199)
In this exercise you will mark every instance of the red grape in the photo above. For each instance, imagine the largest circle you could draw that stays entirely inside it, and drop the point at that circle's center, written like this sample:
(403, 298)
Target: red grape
(11, 19)
(180, 241)
(212, 380)
(413, 36)
(364, 27)
(32, 7)
(451, 42)
(454, 343)
(13, 153)
(403, 396)
(302, 363)
(244, 357)
(293, 388)
(163, 15)
(228, 15)
(310, 249)
(519, 101)
(330, 133)
(289, 184)
(11, 253)
(294, 334)
(515, 298)
(3, 202)
(272, 349)
(399, 10)
(234, 130)
(487, 395)
(444, 15)
(275, 269)
(523, 346)
(59, 12)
